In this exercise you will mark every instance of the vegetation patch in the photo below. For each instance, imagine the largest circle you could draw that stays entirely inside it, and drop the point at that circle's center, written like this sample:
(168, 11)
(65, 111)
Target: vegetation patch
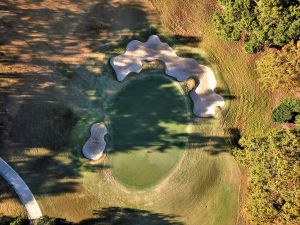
(280, 69)
(258, 23)
(272, 161)
(287, 112)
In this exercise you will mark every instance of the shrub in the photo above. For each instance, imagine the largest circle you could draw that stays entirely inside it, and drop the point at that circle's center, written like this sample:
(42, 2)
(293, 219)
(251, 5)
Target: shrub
(287, 111)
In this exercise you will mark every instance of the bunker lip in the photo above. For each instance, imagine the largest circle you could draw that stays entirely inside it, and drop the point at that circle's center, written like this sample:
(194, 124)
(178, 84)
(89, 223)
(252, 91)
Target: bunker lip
(204, 98)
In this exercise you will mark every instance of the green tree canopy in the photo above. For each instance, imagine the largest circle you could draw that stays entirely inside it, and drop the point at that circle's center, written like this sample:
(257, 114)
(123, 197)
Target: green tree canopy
(287, 111)
(258, 22)
(272, 161)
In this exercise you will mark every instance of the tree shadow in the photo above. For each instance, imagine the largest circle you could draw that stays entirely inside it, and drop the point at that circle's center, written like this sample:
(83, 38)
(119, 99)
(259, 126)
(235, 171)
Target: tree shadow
(211, 144)
(199, 58)
(129, 216)
(8, 220)
(42, 125)
(41, 45)
(234, 136)
(142, 113)
(106, 216)
(225, 94)
(40, 49)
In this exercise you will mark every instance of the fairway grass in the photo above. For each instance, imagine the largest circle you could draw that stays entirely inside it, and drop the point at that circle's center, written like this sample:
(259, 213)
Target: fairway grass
(148, 130)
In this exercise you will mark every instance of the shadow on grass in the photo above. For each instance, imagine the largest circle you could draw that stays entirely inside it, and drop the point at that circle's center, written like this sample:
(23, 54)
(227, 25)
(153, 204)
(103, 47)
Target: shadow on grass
(129, 216)
(40, 45)
(110, 216)
(142, 113)
(8, 220)
(216, 144)
(225, 94)
(152, 113)
(43, 125)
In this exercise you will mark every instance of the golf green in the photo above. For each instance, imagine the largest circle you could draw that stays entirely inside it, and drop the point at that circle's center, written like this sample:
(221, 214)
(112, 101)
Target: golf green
(149, 119)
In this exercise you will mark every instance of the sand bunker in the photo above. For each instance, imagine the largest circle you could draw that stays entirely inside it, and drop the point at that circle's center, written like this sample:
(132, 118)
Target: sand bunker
(95, 145)
(203, 96)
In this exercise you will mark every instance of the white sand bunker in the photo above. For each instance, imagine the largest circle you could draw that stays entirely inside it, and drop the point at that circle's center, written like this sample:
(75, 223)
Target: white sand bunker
(203, 96)
(95, 145)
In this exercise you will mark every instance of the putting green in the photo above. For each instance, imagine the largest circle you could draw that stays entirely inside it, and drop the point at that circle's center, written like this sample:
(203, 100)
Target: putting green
(149, 120)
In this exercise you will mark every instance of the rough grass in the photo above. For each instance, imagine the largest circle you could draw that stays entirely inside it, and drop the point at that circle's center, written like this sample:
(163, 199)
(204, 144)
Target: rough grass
(8, 201)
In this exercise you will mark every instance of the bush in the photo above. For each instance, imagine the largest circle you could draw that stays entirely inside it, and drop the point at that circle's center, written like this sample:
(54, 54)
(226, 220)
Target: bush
(287, 111)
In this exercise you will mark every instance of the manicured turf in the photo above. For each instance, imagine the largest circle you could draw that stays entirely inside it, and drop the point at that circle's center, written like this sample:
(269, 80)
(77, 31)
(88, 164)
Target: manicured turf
(149, 122)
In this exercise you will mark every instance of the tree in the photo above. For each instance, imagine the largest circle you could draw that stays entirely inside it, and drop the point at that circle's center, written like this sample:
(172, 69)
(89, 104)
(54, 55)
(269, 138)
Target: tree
(287, 111)
(297, 121)
(46, 220)
(280, 69)
(272, 161)
(258, 22)
(20, 221)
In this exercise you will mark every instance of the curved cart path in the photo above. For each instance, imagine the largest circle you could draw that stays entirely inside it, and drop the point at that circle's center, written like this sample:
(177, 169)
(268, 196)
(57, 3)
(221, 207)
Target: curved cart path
(22, 190)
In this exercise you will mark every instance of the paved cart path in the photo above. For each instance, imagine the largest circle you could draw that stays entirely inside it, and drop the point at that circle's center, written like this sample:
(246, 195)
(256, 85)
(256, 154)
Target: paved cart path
(22, 190)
